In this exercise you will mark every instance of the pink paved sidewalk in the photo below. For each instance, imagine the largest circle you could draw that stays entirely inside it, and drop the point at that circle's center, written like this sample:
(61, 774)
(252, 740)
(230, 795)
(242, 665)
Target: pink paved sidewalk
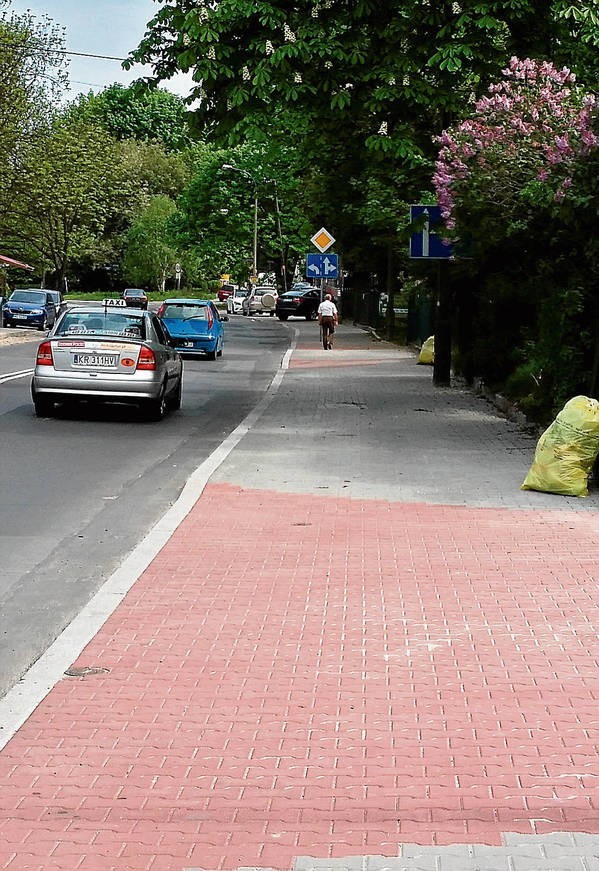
(364, 674)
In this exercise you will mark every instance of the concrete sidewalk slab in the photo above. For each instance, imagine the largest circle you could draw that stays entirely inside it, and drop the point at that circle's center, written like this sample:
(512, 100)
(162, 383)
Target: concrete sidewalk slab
(314, 678)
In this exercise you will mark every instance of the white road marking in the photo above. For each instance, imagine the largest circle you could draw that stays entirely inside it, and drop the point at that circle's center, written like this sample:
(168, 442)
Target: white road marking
(12, 376)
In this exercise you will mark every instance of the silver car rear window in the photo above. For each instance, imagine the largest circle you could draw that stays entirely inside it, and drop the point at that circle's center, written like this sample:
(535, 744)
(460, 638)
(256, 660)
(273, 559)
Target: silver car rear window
(102, 323)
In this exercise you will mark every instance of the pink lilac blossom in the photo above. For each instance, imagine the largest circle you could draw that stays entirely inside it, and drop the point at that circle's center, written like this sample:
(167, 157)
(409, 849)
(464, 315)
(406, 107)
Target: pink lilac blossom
(535, 116)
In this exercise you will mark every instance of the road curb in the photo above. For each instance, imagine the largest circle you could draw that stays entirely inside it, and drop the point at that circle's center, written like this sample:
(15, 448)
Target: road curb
(10, 337)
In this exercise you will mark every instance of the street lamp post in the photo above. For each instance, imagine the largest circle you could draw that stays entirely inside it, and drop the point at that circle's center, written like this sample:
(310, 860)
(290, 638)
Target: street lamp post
(255, 253)
(279, 234)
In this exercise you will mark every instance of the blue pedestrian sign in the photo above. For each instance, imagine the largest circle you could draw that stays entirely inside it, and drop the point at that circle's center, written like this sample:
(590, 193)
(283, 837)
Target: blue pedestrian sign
(427, 243)
(322, 265)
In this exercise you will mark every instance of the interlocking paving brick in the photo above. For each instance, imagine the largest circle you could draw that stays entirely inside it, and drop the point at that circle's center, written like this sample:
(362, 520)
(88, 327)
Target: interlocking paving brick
(353, 672)
(332, 706)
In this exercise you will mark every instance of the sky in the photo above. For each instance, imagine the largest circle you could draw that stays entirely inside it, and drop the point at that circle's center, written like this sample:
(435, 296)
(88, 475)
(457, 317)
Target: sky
(103, 27)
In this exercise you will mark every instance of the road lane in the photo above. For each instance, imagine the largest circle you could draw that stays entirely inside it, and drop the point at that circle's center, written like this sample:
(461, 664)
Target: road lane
(82, 488)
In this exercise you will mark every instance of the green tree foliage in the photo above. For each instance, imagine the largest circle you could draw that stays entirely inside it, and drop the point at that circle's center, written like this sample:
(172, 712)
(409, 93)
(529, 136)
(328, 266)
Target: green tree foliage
(152, 170)
(363, 89)
(377, 62)
(32, 75)
(359, 88)
(135, 112)
(215, 224)
(150, 254)
(153, 157)
(69, 185)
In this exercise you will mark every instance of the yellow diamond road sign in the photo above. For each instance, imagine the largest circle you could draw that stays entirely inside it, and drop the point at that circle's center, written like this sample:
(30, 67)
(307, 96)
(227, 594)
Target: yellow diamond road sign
(322, 240)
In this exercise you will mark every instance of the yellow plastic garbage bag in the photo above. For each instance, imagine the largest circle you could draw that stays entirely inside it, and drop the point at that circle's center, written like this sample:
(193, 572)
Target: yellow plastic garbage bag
(567, 450)
(427, 352)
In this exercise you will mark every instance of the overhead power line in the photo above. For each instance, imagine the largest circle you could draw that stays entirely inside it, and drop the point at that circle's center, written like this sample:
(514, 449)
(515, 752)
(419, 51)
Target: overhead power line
(46, 50)
(87, 54)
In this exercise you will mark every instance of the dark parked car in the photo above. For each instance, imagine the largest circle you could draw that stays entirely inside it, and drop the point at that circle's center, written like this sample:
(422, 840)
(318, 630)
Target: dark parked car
(59, 301)
(135, 297)
(29, 308)
(300, 302)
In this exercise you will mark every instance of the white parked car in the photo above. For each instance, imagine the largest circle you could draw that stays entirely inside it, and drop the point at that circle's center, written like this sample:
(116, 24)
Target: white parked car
(235, 300)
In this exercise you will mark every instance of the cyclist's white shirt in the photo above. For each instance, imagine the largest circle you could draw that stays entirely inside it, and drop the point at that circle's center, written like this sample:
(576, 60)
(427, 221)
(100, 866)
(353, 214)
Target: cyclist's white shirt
(327, 308)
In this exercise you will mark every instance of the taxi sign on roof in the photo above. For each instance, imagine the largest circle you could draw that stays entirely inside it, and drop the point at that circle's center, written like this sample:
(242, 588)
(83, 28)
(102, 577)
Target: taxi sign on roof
(322, 240)
(111, 303)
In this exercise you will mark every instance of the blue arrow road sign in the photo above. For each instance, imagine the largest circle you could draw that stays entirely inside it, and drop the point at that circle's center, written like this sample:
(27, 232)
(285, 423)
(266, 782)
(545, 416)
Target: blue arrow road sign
(322, 265)
(426, 244)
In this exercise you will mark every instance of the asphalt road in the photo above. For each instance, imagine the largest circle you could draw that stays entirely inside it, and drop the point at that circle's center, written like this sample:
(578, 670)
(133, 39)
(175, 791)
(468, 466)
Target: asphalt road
(80, 490)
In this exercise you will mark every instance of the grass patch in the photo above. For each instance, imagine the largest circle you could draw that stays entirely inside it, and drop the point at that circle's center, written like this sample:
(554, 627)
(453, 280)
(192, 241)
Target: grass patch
(153, 296)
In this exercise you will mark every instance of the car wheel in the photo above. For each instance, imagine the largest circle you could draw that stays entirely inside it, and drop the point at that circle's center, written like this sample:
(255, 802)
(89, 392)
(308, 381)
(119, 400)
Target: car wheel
(211, 355)
(43, 326)
(175, 401)
(312, 316)
(44, 407)
(157, 408)
(282, 317)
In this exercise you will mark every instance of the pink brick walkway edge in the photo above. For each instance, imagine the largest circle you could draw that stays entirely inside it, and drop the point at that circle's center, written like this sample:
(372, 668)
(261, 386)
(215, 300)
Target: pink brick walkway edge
(329, 677)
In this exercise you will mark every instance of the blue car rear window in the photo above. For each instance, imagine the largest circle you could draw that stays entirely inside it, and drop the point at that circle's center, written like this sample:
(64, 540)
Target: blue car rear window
(176, 311)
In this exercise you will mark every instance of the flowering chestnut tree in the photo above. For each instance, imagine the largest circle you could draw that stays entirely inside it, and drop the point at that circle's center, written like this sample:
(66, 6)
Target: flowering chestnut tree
(519, 147)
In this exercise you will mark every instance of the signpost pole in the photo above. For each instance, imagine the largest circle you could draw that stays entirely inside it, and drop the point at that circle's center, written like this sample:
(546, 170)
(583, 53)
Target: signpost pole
(427, 244)
(442, 363)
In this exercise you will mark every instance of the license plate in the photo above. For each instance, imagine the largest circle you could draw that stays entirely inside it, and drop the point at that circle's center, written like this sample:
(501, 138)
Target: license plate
(95, 360)
(20, 317)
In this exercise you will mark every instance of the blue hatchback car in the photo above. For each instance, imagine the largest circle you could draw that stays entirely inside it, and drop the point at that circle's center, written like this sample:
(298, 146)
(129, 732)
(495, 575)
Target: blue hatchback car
(194, 325)
(29, 308)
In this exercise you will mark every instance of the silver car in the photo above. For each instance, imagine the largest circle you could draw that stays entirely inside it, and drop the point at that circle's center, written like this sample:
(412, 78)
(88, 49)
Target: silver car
(260, 300)
(108, 353)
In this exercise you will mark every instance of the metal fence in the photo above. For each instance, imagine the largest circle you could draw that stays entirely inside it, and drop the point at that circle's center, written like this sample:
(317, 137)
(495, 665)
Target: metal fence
(409, 325)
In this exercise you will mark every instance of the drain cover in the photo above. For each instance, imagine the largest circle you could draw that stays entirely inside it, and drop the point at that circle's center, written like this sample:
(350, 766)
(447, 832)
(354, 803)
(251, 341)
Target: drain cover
(85, 670)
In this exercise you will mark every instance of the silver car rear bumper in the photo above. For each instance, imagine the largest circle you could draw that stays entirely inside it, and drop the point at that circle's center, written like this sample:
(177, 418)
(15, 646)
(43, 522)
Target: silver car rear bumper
(95, 385)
